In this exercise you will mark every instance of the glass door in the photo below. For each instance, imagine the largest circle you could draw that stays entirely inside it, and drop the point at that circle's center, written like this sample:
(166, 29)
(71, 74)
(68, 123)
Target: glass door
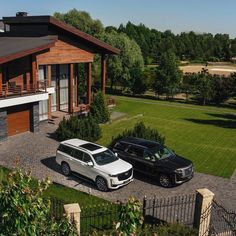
(43, 105)
(64, 79)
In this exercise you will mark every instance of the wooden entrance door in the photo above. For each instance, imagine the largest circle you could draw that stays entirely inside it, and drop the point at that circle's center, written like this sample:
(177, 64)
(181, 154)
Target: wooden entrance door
(18, 119)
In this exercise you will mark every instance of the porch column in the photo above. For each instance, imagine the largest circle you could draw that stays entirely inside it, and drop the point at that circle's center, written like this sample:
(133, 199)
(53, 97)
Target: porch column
(71, 88)
(34, 71)
(1, 77)
(103, 73)
(49, 80)
(28, 80)
(76, 84)
(89, 83)
(58, 86)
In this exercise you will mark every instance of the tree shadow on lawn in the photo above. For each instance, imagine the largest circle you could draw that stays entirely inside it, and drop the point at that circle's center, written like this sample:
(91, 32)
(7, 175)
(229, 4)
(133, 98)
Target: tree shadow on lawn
(225, 121)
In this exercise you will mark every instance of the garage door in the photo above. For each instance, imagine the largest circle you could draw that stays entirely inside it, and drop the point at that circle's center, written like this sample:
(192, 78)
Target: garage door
(18, 120)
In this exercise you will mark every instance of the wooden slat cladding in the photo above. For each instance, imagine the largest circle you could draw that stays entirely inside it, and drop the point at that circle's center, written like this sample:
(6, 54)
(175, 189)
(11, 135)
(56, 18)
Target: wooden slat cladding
(17, 70)
(18, 119)
(65, 51)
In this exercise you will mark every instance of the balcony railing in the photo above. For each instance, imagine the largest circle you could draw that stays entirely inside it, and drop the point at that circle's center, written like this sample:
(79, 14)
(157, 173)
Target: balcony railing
(12, 89)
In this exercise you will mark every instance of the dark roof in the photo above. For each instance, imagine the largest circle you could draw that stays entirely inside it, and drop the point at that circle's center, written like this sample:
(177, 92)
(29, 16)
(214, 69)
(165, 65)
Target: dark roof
(141, 142)
(12, 48)
(98, 44)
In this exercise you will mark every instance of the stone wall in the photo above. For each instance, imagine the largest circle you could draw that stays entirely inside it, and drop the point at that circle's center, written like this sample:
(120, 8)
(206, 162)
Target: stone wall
(34, 117)
(3, 124)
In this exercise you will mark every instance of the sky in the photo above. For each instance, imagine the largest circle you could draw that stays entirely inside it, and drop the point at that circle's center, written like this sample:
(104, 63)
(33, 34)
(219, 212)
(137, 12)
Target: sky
(213, 16)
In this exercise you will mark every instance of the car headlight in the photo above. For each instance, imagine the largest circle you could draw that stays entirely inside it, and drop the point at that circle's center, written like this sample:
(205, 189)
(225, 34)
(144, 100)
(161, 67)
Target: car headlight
(179, 171)
(113, 175)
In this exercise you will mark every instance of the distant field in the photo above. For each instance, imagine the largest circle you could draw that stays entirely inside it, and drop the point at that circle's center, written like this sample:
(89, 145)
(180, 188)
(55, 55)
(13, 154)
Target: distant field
(213, 69)
(206, 135)
(219, 68)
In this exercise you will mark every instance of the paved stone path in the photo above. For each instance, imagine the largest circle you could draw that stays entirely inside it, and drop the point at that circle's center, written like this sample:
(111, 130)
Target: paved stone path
(37, 153)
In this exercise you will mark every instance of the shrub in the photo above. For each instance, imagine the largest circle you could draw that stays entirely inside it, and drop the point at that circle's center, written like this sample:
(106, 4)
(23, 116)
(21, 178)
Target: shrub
(85, 128)
(166, 230)
(23, 211)
(130, 217)
(99, 110)
(140, 131)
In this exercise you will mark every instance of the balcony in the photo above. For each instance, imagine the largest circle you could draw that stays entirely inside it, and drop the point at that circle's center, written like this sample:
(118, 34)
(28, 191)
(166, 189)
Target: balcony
(12, 94)
(11, 89)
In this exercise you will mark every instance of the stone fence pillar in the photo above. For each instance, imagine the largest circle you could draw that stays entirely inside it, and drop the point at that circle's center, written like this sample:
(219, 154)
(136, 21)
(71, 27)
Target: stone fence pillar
(73, 213)
(202, 213)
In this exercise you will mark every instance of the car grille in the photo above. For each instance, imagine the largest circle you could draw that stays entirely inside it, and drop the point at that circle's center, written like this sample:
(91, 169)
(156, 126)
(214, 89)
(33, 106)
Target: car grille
(188, 171)
(125, 175)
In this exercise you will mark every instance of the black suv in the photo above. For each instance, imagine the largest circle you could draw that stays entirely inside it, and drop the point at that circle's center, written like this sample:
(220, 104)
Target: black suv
(155, 160)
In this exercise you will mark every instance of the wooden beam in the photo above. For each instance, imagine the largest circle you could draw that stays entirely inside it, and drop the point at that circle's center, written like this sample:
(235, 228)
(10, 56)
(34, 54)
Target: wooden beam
(49, 80)
(49, 74)
(71, 88)
(58, 86)
(89, 83)
(34, 71)
(76, 68)
(103, 73)
(28, 80)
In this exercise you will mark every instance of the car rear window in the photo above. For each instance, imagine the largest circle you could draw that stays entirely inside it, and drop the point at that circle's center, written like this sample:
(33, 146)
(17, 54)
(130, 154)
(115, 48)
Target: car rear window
(121, 146)
(65, 149)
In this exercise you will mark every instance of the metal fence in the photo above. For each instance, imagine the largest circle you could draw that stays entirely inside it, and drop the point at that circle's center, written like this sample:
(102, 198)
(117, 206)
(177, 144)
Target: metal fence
(169, 209)
(57, 208)
(99, 217)
(223, 222)
(155, 211)
(215, 220)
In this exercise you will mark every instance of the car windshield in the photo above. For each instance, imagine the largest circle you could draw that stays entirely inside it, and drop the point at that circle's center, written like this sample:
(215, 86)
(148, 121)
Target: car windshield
(162, 152)
(105, 157)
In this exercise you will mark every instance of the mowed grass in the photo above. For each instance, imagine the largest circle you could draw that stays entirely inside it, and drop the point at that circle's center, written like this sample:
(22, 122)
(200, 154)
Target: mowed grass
(205, 135)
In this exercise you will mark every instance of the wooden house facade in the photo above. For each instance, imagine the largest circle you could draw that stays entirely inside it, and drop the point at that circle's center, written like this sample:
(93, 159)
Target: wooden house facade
(40, 59)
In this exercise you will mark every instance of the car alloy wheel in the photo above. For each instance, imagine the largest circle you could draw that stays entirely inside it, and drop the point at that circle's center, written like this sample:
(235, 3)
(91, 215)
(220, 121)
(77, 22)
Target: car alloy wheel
(65, 168)
(101, 184)
(165, 181)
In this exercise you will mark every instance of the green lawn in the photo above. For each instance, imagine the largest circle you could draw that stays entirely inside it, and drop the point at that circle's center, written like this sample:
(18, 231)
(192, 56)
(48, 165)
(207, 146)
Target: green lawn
(206, 135)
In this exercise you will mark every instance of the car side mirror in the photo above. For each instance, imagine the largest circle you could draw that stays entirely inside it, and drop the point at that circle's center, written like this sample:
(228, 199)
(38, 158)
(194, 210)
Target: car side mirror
(90, 163)
(116, 154)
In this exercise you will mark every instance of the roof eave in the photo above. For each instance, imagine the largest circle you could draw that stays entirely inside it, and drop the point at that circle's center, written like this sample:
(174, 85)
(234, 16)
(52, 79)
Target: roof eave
(106, 48)
(24, 53)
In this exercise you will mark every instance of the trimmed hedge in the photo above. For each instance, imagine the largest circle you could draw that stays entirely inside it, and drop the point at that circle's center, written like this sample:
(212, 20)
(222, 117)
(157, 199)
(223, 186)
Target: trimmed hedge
(99, 110)
(85, 128)
(140, 131)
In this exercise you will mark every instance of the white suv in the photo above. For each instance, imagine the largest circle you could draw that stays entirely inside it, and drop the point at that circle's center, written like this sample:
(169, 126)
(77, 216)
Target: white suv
(94, 162)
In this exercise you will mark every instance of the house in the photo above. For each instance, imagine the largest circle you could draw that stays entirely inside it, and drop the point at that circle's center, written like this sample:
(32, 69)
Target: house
(40, 62)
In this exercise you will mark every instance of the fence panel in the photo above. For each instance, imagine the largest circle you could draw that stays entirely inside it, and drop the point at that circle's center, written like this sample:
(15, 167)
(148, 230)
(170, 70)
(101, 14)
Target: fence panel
(223, 222)
(169, 209)
(57, 208)
(98, 217)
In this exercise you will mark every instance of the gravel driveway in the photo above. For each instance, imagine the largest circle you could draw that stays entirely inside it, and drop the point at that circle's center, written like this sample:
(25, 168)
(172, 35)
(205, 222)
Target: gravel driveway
(37, 153)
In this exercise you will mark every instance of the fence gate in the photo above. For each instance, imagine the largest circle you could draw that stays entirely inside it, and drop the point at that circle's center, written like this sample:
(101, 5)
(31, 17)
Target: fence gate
(223, 222)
